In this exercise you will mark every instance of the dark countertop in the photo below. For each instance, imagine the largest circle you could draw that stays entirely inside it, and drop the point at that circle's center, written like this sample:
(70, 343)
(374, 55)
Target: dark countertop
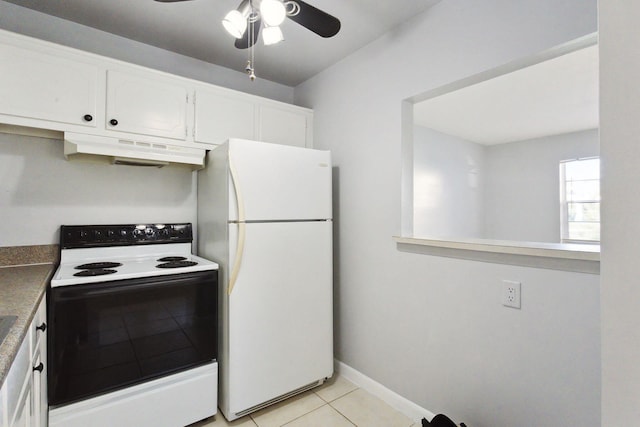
(22, 287)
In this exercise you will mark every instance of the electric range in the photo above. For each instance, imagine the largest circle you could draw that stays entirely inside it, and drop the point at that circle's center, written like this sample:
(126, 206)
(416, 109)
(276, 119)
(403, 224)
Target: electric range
(133, 321)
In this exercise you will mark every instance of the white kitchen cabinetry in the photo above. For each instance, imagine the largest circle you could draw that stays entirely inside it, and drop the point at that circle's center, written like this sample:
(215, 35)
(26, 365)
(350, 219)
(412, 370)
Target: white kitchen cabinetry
(23, 417)
(47, 87)
(23, 398)
(220, 115)
(146, 104)
(36, 85)
(284, 124)
(39, 400)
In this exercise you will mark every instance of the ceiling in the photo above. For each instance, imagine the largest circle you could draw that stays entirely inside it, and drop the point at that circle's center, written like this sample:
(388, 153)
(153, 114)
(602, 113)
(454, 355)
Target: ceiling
(553, 97)
(193, 28)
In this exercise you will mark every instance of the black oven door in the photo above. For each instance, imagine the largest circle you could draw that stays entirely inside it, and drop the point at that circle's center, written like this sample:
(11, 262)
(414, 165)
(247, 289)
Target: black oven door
(110, 335)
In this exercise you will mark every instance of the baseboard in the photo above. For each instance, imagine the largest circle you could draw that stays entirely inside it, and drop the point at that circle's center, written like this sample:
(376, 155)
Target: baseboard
(393, 399)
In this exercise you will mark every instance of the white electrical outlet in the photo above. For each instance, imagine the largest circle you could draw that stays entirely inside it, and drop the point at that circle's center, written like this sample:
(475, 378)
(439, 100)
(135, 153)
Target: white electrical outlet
(511, 293)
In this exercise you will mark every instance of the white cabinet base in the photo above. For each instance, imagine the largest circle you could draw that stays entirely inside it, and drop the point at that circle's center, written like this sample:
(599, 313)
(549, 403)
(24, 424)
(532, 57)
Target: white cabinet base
(23, 397)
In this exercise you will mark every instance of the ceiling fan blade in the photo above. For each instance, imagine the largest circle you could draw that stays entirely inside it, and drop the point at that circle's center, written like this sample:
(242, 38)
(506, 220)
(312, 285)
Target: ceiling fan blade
(315, 20)
(244, 42)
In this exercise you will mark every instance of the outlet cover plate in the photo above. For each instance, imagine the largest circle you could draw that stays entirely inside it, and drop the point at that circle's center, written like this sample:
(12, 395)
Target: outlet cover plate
(511, 292)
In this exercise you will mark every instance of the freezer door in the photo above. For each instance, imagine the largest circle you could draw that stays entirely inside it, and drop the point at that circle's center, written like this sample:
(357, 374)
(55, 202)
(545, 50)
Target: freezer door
(278, 182)
(280, 318)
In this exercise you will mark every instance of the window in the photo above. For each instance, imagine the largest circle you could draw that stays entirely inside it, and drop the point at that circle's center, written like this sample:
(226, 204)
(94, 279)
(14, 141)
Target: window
(580, 200)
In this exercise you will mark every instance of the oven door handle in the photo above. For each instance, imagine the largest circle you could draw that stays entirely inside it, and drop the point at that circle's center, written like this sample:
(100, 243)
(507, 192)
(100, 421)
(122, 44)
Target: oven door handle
(235, 270)
(66, 293)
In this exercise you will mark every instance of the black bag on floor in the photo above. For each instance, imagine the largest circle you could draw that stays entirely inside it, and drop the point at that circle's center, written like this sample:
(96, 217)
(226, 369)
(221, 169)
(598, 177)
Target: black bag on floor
(440, 420)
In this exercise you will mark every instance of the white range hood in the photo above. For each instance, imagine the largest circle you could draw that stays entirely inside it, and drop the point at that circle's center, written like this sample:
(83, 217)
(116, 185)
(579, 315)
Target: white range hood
(130, 152)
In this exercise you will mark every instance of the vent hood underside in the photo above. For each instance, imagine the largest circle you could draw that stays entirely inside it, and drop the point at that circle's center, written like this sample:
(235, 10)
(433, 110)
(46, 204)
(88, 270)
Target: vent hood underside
(130, 152)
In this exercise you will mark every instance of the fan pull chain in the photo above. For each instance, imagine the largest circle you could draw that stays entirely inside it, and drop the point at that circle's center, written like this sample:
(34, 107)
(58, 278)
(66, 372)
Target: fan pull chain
(250, 69)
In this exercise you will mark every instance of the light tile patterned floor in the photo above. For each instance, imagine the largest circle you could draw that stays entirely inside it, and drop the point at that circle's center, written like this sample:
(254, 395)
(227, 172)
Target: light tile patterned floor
(337, 403)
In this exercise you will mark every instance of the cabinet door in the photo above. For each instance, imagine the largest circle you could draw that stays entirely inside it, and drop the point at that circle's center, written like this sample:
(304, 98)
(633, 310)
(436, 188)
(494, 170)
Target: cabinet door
(45, 87)
(24, 412)
(146, 104)
(3, 410)
(39, 329)
(39, 362)
(220, 116)
(39, 392)
(17, 384)
(282, 126)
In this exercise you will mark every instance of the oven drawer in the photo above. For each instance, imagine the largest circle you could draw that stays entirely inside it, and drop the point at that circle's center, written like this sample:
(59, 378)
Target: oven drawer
(110, 335)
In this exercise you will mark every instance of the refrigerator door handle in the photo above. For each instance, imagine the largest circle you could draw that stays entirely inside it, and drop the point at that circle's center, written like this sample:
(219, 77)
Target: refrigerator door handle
(241, 228)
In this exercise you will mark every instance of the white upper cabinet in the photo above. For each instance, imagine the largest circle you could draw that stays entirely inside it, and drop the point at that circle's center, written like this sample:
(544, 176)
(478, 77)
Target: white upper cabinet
(287, 125)
(146, 104)
(220, 115)
(51, 87)
(37, 85)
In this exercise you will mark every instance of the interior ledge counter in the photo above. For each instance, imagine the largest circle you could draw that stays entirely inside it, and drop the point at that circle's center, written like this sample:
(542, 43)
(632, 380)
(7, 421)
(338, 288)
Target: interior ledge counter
(554, 256)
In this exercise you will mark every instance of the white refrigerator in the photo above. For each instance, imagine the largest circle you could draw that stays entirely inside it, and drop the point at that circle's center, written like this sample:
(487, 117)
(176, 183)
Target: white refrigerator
(265, 215)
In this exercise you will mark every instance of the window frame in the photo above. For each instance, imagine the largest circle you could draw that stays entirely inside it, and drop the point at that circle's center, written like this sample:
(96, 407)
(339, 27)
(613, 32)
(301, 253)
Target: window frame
(564, 204)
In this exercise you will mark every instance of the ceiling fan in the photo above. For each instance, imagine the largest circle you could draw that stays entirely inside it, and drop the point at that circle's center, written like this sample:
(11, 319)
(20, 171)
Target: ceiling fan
(245, 22)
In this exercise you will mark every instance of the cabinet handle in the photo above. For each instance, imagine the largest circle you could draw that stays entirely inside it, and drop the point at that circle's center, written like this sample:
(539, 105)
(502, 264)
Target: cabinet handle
(39, 368)
(42, 327)
(88, 117)
(113, 122)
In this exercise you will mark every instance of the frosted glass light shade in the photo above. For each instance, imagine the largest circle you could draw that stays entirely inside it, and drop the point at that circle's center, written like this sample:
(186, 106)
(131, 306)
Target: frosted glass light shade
(235, 23)
(273, 12)
(272, 35)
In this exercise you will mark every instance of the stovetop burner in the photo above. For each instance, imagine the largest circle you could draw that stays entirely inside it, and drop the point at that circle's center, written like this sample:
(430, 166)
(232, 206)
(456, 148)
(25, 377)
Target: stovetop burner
(94, 272)
(172, 259)
(98, 265)
(91, 254)
(177, 264)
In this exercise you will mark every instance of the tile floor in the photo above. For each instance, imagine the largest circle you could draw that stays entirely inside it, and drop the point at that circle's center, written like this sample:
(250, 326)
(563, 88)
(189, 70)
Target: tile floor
(337, 403)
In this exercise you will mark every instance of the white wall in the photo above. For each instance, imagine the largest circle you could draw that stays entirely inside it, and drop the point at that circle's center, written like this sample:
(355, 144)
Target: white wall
(432, 328)
(522, 197)
(40, 191)
(39, 25)
(502, 192)
(620, 153)
(448, 185)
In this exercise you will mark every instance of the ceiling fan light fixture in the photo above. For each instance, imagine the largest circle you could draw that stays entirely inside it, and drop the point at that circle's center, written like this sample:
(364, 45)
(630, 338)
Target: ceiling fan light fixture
(272, 35)
(235, 23)
(273, 12)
